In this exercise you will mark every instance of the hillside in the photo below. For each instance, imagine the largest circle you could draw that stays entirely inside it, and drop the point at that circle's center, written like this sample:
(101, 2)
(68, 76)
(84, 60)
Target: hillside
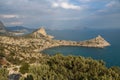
(59, 67)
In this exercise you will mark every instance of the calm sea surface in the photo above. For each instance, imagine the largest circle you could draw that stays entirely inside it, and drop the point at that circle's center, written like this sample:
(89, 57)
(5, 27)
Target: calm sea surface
(111, 55)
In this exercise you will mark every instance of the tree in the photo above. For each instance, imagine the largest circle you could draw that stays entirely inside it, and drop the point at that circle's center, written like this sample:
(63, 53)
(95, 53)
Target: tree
(59, 67)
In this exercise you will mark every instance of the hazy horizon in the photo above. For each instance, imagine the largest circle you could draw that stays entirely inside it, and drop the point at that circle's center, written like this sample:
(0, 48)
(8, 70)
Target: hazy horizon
(61, 14)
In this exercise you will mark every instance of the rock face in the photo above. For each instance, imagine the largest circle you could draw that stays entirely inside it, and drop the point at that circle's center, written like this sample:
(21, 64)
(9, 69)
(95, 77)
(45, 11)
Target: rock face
(2, 28)
(100, 40)
(40, 33)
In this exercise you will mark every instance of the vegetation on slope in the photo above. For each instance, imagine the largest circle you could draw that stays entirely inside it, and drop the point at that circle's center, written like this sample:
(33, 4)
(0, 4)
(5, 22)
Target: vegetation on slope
(3, 74)
(61, 67)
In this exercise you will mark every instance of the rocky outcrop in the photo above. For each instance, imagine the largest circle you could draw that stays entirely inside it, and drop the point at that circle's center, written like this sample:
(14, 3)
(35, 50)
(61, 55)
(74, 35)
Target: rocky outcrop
(99, 41)
(40, 33)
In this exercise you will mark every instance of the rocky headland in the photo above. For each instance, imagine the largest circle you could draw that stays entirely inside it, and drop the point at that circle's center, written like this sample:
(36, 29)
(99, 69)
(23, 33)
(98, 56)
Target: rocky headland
(40, 40)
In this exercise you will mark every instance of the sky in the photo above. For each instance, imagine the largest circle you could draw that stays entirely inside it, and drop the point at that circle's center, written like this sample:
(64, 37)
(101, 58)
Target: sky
(61, 14)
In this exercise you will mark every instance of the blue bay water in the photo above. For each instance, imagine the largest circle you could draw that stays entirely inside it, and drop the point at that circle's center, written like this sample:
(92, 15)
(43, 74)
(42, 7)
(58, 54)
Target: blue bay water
(111, 54)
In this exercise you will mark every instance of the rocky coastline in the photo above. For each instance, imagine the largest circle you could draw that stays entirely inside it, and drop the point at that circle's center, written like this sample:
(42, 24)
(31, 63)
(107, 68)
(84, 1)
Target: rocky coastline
(39, 41)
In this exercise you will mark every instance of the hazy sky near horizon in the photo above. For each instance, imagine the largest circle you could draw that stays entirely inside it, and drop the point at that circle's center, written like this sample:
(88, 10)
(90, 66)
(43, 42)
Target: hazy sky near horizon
(61, 14)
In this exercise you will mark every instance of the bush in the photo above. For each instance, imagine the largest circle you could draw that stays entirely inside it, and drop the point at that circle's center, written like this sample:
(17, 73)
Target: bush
(3, 74)
(61, 67)
(29, 77)
(24, 68)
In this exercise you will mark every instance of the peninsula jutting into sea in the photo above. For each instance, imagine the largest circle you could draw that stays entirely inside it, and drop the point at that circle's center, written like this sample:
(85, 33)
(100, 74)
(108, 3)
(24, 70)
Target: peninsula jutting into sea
(41, 40)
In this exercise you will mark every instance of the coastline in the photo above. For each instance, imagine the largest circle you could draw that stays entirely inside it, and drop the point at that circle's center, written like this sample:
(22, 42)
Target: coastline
(38, 45)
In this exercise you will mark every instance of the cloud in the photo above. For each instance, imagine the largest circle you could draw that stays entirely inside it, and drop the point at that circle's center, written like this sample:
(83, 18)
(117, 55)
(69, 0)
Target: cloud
(110, 8)
(113, 4)
(16, 23)
(66, 5)
(9, 16)
(13, 23)
(57, 13)
(84, 1)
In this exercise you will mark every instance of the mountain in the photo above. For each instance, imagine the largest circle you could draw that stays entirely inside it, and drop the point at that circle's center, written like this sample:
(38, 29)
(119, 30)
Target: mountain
(38, 33)
(13, 31)
(20, 29)
(2, 28)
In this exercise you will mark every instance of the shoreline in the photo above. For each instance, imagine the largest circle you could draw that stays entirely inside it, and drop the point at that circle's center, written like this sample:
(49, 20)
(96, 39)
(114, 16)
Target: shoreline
(31, 45)
(92, 43)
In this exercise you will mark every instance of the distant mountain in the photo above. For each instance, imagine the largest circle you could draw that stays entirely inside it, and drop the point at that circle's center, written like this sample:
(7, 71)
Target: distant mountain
(13, 31)
(2, 28)
(20, 29)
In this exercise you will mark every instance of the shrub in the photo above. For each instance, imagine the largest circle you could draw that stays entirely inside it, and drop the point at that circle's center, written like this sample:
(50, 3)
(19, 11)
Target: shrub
(59, 67)
(3, 74)
(24, 68)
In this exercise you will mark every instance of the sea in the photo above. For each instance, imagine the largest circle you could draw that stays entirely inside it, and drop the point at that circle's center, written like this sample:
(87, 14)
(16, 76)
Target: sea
(110, 55)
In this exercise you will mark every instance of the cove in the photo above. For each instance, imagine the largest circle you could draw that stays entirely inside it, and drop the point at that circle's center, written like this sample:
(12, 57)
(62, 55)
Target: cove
(104, 54)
